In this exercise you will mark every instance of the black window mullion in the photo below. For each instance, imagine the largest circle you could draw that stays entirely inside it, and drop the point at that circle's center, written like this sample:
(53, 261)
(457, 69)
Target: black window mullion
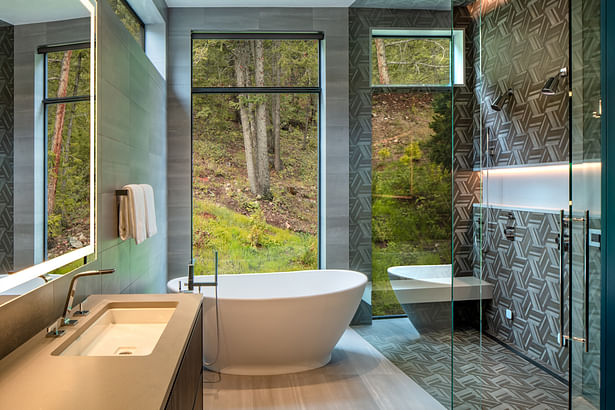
(258, 36)
(411, 37)
(63, 47)
(66, 100)
(256, 90)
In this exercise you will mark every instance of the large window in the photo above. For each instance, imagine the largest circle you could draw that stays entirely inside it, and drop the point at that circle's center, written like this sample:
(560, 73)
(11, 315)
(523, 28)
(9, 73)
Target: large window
(130, 20)
(255, 134)
(67, 141)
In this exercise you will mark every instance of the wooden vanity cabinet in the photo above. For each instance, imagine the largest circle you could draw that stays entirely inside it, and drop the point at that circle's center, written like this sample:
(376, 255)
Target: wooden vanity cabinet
(187, 391)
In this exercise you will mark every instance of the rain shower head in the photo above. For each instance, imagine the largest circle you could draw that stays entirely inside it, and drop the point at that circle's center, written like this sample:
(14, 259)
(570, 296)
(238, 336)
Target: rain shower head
(501, 100)
(550, 87)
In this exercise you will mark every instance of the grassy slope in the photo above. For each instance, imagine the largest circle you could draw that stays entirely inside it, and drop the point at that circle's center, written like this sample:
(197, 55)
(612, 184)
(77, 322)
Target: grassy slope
(247, 243)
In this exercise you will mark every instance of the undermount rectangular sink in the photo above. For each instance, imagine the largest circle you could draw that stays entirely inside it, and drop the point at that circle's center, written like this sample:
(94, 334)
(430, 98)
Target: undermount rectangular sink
(122, 331)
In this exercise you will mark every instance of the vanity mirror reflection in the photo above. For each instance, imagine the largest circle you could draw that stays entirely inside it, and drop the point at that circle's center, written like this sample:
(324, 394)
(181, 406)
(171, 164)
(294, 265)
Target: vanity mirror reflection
(46, 140)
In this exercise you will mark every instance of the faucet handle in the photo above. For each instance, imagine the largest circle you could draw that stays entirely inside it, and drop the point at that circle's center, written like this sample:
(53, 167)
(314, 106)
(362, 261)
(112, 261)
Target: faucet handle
(53, 330)
(81, 311)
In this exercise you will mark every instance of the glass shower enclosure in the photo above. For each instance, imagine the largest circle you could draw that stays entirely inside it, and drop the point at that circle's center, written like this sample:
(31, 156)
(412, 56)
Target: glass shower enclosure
(535, 190)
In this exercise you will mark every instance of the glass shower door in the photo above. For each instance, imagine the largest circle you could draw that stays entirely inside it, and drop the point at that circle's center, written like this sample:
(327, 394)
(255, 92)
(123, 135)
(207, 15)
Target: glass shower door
(585, 209)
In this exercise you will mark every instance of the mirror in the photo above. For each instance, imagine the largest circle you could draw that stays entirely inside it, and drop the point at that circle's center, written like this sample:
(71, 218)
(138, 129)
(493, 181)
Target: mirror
(46, 140)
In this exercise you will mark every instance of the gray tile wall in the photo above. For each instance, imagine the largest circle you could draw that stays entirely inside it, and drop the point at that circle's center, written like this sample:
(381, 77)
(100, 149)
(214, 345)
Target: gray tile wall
(131, 148)
(334, 163)
(7, 119)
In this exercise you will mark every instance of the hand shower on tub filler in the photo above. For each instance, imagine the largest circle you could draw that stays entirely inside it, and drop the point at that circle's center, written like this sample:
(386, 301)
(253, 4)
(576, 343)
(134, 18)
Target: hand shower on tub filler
(191, 283)
(190, 289)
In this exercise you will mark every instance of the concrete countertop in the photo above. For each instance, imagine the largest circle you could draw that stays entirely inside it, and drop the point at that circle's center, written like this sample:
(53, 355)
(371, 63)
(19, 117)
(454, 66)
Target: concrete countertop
(31, 377)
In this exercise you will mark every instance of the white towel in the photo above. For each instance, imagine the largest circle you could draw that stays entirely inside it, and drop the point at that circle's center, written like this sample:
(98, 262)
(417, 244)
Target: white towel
(150, 210)
(132, 214)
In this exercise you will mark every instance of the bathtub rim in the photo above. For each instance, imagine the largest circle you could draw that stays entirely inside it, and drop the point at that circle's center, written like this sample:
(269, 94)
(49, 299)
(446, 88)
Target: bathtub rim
(363, 284)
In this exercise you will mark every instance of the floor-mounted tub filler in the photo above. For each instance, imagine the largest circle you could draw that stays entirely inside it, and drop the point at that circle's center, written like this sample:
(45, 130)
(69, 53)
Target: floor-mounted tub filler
(277, 323)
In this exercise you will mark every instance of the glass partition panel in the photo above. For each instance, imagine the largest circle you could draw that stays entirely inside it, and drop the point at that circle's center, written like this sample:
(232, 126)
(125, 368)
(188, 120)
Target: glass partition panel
(585, 181)
(401, 152)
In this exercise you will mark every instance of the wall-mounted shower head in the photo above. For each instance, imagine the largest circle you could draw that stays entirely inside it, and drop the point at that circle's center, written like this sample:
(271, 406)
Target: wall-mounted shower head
(501, 100)
(550, 87)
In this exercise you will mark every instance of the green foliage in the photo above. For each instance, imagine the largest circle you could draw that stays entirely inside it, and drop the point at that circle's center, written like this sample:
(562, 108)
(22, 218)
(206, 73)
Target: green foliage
(439, 147)
(412, 153)
(258, 227)
(384, 154)
(54, 225)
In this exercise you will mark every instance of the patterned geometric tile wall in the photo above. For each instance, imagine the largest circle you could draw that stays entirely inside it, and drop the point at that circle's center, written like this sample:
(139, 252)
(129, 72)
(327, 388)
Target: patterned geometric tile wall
(524, 42)
(6, 146)
(361, 21)
(525, 275)
(411, 4)
(466, 182)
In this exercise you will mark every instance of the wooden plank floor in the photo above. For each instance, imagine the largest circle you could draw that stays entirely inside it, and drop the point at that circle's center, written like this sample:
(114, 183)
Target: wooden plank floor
(358, 377)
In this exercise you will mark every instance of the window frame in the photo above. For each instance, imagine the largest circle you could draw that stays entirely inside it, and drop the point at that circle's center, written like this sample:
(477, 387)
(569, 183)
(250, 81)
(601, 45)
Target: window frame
(48, 102)
(260, 35)
(456, 39)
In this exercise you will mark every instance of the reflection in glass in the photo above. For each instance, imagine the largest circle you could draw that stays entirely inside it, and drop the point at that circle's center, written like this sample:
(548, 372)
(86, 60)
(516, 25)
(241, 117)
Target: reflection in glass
(130, 20)
(75, 66)
(411, 202)
(68, 151)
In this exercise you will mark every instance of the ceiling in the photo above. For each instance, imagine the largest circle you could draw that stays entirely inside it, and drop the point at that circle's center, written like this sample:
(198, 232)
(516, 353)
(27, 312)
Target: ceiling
(37, 11)
(393, 4)
(259, 3)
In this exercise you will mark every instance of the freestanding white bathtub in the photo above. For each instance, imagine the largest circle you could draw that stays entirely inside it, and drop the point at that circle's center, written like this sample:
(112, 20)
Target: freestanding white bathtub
(277, 323)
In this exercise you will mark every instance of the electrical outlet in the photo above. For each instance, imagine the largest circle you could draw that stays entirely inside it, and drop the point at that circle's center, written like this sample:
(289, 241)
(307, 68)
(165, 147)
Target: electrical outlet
(509, 314)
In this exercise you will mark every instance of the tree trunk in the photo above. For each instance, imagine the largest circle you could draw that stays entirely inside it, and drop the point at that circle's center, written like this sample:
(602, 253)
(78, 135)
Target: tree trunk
(241, 66)
(261, 122)
(411, 166)
(56, 144)
(71, 117)
(308, 120)
(383, 68)
(276, 123)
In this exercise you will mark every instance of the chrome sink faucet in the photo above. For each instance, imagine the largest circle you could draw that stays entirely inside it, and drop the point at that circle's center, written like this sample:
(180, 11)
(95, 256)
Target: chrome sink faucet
(54, 329)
